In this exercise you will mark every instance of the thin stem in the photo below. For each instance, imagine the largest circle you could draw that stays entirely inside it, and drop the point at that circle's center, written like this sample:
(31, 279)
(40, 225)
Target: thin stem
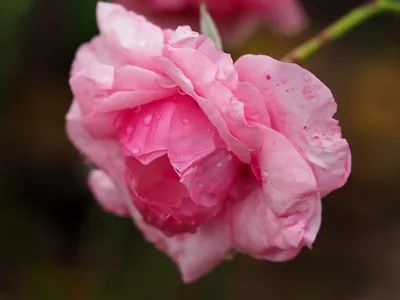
(351, 20)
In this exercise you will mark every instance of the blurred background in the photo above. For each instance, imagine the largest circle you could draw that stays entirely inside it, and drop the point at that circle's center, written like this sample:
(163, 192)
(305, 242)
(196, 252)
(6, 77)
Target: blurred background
(57, 243)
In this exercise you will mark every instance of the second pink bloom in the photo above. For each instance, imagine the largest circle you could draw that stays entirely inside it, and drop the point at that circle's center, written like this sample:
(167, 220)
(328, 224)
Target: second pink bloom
(235, 18)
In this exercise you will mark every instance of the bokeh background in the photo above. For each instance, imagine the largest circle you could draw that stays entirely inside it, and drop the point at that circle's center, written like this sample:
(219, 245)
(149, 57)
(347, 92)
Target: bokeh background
(56, 243)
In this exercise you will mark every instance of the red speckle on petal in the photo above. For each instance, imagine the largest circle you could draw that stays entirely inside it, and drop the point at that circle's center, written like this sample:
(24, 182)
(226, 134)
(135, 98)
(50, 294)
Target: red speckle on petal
(268, 77)
(308, 92)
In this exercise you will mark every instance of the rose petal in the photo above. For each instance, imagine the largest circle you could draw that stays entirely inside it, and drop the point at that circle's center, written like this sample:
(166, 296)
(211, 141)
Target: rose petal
(98, 50)
(133, 35)
(209, 180)
(233, 144)
(301, 107)
(195, 254)
(188, 126)
(105, 153)
(144, 134)
(279, 215)
(107, 193)
(103, 88)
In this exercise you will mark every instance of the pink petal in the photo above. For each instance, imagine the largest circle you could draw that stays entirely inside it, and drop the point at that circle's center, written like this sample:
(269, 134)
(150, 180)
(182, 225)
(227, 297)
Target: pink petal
(144, 133)
(107, 193)
(98, 50)
(164, 202)
(208, 70)
(161, 199)
(301, 108)
(255, 110)
(105, 153)
(103, 88)
(197, 67)
(184, 37)
(210, 179)
(171, 202)
(188, 126)
(133, 35)
(195, 254)
(275, 221)
(215, 117)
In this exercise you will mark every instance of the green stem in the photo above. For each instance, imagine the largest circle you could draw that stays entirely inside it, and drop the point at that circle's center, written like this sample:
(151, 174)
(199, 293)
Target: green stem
(351, 20)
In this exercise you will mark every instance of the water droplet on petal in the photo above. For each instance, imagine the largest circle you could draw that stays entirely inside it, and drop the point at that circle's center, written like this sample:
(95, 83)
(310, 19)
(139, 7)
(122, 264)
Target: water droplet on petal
(301, 206)
(147, 119)
(219, 164)
(208, 129)
(164, 215)
(130, 129)
(184, 120)
(158, 114)
(264, 175)
(181, 92)
(200, 185)
(229, 157)
(135, 150)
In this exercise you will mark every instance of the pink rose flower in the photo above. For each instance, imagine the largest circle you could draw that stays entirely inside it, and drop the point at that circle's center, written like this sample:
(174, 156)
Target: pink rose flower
(205, 155)
(235, 19)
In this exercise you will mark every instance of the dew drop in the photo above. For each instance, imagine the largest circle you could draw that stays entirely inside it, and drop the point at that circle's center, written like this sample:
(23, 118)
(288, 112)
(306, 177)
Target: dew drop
(219, 164)
(147, 119)
(200, 185)
(264, 175)
(135, 150)
(208, 129)
(301, 206)
(164, 215)
(229, 157)
(130, 129)
(184, 120)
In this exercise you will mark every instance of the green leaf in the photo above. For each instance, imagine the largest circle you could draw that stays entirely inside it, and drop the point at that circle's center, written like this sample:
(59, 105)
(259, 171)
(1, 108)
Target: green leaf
(208, 27)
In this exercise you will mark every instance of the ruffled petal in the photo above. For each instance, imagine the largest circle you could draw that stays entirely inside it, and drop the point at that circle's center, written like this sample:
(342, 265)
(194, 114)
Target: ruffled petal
(107, 194)
(103, 88)
(277, 219)
(191, 136)
(195, 254)
(105, 153)
(144, 134)
(301, 108)
(209, 180)
(130, 34)
(215, 117)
